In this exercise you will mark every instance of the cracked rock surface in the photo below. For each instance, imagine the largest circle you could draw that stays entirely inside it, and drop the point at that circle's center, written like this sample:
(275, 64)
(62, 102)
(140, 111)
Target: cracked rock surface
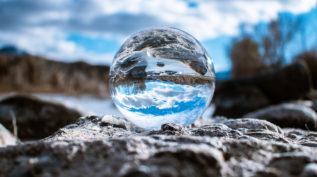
(111, 146)
(288, 115)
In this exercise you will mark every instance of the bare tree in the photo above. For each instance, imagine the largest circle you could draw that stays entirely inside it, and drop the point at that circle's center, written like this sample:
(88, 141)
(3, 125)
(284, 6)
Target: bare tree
(245, 58)
(273, 44)
(259, 52)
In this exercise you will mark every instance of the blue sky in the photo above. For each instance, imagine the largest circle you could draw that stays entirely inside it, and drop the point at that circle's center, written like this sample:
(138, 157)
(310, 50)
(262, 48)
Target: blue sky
(93, 30)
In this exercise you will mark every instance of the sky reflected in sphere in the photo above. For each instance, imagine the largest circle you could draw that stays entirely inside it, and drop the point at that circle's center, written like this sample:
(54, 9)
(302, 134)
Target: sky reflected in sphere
(160, 76)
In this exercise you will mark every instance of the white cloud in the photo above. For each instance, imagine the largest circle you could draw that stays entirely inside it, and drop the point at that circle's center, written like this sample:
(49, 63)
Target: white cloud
(163, 96)
(41, 27)
(214, 18)
(51, 43)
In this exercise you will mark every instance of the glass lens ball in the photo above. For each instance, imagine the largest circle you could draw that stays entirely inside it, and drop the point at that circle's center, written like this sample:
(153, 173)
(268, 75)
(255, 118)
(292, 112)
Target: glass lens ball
(162, 76)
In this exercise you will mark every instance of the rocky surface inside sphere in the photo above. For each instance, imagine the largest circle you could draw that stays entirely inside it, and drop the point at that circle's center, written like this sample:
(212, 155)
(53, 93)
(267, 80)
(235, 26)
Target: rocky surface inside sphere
(110, 146)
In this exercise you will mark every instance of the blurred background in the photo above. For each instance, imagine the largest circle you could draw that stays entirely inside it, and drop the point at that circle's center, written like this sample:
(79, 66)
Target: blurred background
(61, 50)
(92, 31)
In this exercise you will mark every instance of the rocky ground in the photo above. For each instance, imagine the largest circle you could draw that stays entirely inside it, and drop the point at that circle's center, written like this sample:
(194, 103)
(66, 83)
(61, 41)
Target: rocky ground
(111, 146)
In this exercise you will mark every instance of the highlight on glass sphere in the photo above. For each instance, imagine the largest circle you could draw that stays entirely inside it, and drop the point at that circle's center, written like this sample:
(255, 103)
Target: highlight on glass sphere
(162, 75)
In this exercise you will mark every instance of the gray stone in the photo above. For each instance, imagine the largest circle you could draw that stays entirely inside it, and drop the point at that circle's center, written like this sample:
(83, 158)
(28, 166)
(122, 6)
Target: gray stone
(35, 118)
(310, 170)
(110, 146)
(216, 130)
(310, 60)
(170, 129)
(236, 100)
(92, 127)
(28, 73)
(287, 115)
(238, 96)
(302, 137)
(314, 106)
(252, 124)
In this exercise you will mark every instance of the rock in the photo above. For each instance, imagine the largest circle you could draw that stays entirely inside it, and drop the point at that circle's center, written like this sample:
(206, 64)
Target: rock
(302, 137)
(27, 73)
(171, 129)
(113, 121)
(310, 60)
(35, 118)
(108, 146)
(257, 128)
(314, 106)
(93, 127)
(310, 170)
(237, 97)
(287, 115)
(252, 124)
(216, 130)
(207, 121)
(6, 138)
(234, 101)
(288, 164)
(307, 103)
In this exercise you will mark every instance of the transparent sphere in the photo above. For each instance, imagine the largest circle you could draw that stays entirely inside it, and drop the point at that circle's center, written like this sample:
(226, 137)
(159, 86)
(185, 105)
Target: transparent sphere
(162, 76)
